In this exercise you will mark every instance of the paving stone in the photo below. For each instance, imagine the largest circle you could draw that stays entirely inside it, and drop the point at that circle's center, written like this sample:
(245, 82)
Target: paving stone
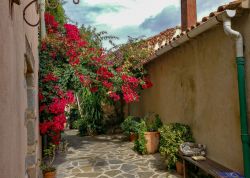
(103, 176)
(75, 163)
(145, 174)
(115, 161)
(86, 168)
(92, 174)
(128, 167)
(112, 173)
(128, 175)
(115, 167)
(102, 163)
(76, 170)
(102, 157)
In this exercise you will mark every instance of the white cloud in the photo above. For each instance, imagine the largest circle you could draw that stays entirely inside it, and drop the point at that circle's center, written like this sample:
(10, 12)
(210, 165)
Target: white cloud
(134, 11)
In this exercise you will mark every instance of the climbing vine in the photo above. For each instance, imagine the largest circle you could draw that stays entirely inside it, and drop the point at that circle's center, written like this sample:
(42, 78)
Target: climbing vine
(72, 59)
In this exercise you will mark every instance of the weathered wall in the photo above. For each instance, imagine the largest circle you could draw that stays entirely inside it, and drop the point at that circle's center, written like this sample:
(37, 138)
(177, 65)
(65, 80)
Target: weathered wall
(20, 147)
(196, 84)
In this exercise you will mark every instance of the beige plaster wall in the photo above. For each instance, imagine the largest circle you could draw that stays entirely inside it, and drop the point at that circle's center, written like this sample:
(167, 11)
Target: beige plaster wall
(13, 89)
(196, 84)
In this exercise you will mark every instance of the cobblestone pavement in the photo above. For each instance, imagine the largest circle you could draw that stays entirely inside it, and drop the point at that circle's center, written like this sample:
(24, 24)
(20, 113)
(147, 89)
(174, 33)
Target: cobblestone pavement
(106, 156)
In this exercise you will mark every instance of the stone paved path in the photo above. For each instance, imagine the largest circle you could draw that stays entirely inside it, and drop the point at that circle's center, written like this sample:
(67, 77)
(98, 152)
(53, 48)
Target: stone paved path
(105, 157)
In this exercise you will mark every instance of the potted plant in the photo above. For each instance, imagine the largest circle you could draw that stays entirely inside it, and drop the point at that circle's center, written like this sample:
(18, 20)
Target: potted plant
(148, 134)
(130, 127)
(49, 171)
(172, 136)
(152, 135)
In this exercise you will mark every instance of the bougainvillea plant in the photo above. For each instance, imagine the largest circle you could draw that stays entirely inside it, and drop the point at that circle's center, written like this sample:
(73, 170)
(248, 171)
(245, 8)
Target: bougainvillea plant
(70, 61)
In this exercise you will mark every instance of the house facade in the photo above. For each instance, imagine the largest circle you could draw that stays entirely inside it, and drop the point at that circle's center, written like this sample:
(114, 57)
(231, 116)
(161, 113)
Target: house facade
(195, 83)
(19, 127)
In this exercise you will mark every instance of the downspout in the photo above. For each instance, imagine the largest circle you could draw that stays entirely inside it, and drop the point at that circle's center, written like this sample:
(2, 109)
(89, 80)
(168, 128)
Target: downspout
(42, 11)
(241, 86)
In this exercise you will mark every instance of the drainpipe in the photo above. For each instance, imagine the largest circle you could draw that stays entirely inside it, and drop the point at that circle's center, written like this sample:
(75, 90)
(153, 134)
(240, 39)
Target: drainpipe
(242, 88)
(42, 11)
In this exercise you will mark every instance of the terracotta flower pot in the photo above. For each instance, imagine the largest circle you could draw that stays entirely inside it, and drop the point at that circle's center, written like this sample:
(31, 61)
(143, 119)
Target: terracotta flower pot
(153, 139)
(49, 174)
(179, 167)
(132, 137)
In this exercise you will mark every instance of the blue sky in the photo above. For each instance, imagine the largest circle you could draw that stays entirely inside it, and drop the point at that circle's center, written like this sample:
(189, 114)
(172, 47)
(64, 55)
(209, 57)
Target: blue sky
(123, 18)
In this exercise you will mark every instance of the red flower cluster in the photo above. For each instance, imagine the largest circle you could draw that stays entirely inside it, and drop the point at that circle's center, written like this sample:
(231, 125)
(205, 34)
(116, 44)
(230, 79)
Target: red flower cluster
(57, 106)
(107, 84)
(147, 83)
(72, 32)
(52, 106)
(104, 73)
(129, 95)
(114, 96)
(70, 96)
(85, 80)
(50, 77)
(51, 23)
(131, 80)
(94, 89)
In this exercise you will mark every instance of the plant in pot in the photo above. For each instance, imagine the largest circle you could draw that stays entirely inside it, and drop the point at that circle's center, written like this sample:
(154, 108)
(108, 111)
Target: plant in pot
(149, 136)
(172, 136)
(49, 171)
(130, 127)
(152, 135)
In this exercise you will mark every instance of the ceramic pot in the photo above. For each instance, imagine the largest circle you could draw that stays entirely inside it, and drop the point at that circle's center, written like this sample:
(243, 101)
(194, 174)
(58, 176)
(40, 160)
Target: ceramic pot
(49, 174)
(179, 167)
(132, 137)
(153, 139)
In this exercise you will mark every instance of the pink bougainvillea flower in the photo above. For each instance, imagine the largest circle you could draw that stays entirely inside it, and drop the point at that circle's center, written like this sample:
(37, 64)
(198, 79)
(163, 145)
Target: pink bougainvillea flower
(49, 77)
(104, 73)
(50, 22)
(114, 96)
(94, 89)
(107, 84)
(147, 83)
(70, 96)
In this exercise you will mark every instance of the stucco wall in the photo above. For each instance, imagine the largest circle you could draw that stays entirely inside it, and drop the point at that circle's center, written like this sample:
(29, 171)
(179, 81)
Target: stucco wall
(14, 148)
(196, 84)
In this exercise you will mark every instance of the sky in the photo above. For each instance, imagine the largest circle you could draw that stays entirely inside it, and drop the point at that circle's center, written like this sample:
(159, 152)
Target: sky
(134, 18)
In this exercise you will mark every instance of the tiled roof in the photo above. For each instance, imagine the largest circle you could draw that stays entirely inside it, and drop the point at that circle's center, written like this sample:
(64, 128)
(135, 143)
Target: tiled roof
(162, 36)
(172, 34)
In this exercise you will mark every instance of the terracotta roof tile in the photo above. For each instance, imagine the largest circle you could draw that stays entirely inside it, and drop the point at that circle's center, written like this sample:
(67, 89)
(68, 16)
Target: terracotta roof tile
(170, 34)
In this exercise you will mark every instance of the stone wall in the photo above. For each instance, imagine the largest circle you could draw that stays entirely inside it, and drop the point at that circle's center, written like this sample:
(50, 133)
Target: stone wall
(196, 84)
(20, 141)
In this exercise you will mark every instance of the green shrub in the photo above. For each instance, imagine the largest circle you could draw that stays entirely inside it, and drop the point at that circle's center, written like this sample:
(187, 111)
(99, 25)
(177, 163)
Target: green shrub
(140, 143)
(82, 126)
(172, 136)
(130, 124)
(73, 117)
(92, 113)
(153, 122)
